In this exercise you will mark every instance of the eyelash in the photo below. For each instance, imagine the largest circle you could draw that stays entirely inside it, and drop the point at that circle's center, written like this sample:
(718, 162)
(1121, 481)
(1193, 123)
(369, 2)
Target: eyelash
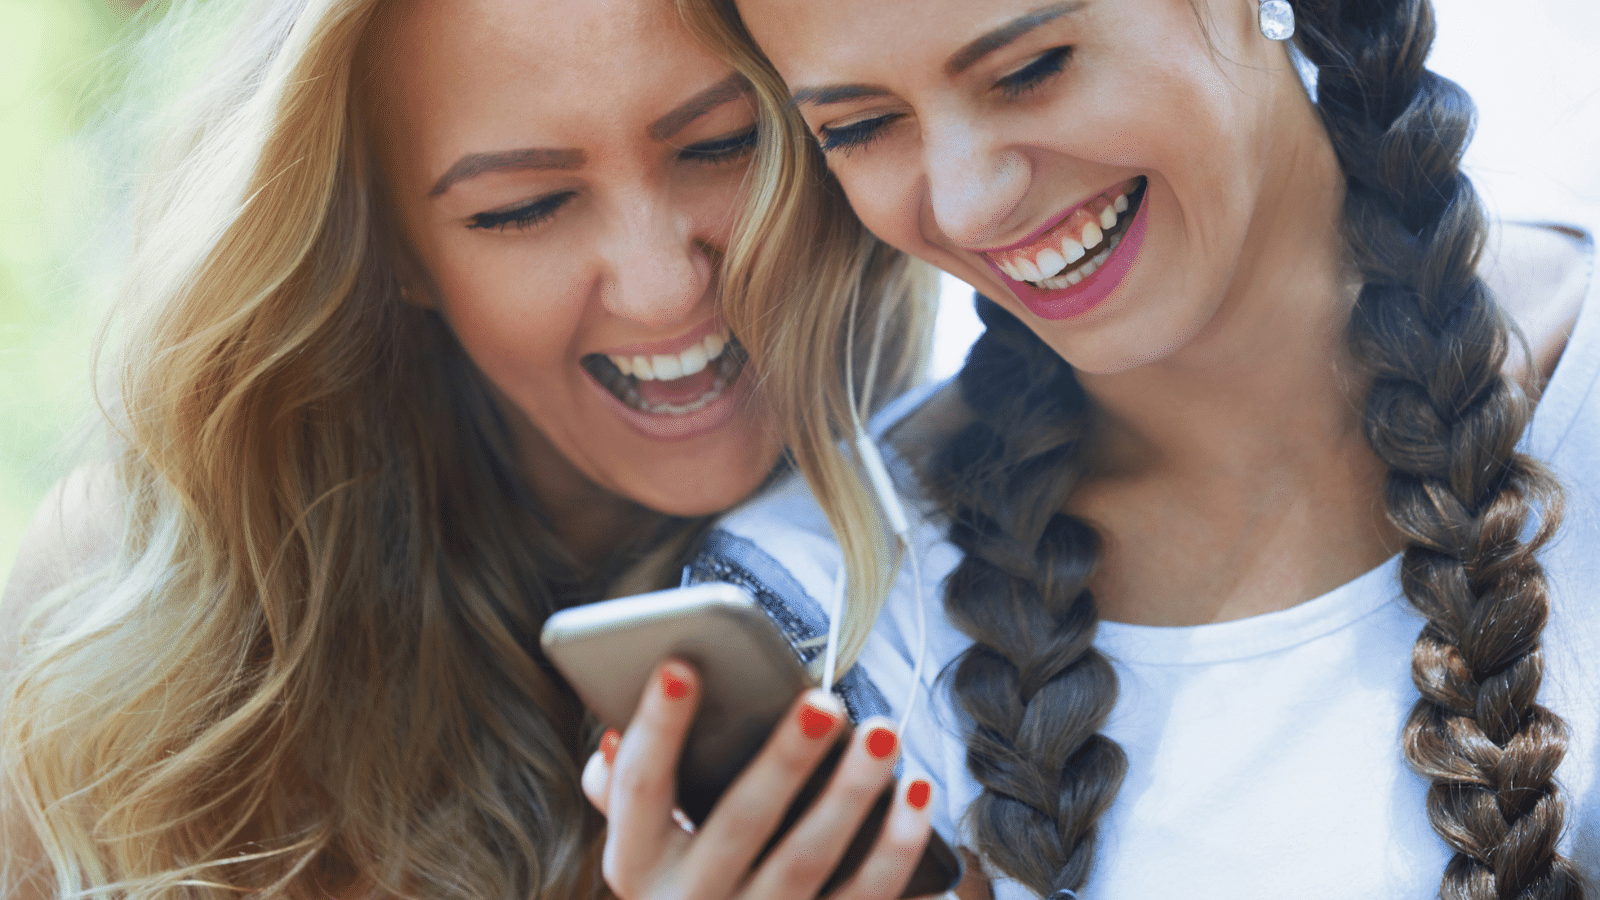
(522, 217)
(721, 150)
(1014, 86)
(853, 136)
(1043, 67)
(717, 152)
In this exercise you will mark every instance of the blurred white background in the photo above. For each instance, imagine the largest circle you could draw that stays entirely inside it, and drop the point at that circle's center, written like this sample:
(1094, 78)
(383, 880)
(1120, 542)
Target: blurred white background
(1533, 67)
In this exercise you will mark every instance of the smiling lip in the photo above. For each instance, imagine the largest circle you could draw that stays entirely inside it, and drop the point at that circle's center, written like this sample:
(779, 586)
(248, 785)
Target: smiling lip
(1113, 262)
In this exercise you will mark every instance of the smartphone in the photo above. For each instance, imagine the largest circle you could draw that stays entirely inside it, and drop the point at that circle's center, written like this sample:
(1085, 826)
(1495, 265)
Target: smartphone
(749, 677)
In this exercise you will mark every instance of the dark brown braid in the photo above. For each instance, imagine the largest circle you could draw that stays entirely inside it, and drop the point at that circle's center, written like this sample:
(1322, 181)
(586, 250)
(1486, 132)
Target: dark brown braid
(1440, 413)
(1036, 689)
(1445, 419)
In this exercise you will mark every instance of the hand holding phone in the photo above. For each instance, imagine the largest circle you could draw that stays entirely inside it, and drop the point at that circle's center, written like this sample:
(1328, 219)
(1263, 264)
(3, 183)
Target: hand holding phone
(648, 855)
(744, 691)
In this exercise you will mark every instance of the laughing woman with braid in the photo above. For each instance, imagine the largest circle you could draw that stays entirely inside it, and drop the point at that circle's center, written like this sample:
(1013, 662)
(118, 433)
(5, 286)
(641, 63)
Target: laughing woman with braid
(1266, 513)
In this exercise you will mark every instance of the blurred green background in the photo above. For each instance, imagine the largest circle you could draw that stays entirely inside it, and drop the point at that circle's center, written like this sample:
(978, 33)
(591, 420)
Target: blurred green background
(54, 82)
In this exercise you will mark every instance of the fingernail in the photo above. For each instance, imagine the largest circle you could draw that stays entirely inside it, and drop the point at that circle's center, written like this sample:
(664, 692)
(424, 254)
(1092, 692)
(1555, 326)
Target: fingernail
(815, 722)
(881, 742)
(608, 745)
(674, 687)
(917, 794)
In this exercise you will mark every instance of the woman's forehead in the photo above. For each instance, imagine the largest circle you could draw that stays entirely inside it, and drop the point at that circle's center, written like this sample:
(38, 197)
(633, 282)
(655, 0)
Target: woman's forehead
(817, 36)
(453, 77)
(556, 39)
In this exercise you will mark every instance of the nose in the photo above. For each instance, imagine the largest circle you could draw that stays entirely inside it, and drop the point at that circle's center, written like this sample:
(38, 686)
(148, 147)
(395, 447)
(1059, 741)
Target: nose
(660, 264)
(974, 182)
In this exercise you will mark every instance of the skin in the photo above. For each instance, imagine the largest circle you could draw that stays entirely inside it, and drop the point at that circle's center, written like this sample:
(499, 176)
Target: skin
(1229, 449)
(1233, 458)
(604, 237)
(649, 853)
(1228, 441)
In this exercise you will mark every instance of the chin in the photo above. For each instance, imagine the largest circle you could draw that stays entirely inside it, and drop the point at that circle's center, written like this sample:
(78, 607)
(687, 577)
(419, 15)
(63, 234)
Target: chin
(702, 484)
(692, 500)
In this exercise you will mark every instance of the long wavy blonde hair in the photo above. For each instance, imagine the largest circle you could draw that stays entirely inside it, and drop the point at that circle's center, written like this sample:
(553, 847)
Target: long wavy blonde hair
(310, 668)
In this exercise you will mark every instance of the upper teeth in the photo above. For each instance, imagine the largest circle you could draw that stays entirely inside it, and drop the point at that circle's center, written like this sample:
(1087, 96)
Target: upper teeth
(1083, 230)
(667, 366)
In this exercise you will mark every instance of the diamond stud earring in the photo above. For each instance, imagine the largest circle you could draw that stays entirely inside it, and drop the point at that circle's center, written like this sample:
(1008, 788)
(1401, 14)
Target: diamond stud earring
(1276, 19)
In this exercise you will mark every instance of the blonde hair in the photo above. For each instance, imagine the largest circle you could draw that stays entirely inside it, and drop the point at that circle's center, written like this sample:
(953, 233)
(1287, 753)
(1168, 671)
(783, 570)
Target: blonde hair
(310, 669)
(851, 304)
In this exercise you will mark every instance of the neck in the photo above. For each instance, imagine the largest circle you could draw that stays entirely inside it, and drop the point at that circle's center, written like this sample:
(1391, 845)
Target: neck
(1232, 476)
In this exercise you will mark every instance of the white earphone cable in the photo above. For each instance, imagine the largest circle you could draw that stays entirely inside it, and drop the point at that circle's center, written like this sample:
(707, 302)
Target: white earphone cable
(894, 512)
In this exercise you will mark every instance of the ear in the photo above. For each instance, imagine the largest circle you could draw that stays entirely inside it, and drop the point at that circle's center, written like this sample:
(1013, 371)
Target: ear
(417, 285)
(406, 271)
(417, 295)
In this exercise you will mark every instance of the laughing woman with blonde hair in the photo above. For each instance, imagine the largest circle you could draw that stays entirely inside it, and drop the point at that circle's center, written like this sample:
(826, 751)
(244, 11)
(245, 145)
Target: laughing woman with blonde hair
(426, 339)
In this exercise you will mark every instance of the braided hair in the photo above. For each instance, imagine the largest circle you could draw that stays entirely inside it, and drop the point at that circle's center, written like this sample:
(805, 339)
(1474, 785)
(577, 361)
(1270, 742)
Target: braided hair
(1441, 415)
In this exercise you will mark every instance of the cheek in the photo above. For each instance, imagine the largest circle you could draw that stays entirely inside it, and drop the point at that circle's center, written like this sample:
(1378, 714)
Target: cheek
(882, 193)
(515, 314)
(714, 198)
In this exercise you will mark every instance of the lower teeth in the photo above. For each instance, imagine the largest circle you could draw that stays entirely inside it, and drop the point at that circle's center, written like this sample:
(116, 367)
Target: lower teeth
(1080, 273)
(633, 399)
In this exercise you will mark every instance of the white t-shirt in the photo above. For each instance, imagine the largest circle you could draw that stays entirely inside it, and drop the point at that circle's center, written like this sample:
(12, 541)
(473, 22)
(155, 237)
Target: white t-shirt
(1264, 756)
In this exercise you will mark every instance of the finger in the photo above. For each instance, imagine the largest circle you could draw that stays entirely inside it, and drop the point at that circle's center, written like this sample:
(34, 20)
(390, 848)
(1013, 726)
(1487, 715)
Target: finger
(811, 850)
(596, 778)
(886, 870)
(747, 814)
(641, 836)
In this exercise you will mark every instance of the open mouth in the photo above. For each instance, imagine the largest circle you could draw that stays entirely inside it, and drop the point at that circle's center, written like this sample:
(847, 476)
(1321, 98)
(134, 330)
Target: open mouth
(673, 384)
(1077, 246)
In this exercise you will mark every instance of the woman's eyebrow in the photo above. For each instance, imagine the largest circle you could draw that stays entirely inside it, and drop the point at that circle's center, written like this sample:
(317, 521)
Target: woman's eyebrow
(836, 93)
(731, 88)
(968, 56)
(474, 164)
(960, 61)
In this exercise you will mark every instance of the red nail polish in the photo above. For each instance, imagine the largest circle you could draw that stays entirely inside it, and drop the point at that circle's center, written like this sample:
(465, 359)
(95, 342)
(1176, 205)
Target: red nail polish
(881, 743)
(815, 722)
(917, 793)
(608, 745)
(674, 687)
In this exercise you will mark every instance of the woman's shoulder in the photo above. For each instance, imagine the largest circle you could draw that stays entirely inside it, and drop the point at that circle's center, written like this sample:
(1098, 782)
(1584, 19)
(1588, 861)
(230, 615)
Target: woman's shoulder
(71, 533)
(788, 527)
(1540, 274)
(786, 521)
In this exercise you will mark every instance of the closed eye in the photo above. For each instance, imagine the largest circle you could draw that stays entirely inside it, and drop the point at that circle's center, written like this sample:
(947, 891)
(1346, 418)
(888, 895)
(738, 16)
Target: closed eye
(722, 150)
(524, 216)
(1039, 70)
(854, 135)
